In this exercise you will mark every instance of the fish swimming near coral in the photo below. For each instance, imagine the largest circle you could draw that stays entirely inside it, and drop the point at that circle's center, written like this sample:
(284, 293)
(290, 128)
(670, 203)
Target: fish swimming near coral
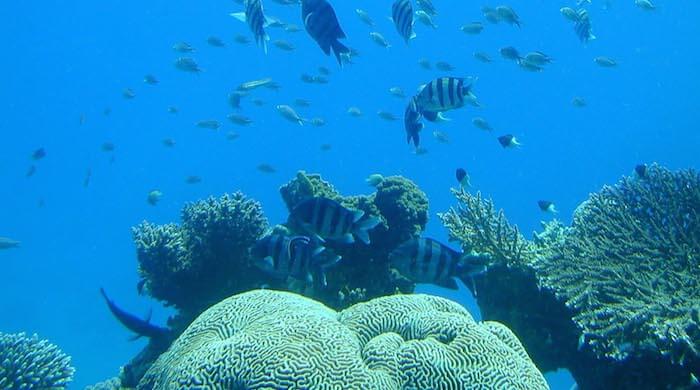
(7, 243)
(326, 219)
(256, 20)
(322, 25)
(298, 257)
(443, 94)
(141, 327)
(424, 260)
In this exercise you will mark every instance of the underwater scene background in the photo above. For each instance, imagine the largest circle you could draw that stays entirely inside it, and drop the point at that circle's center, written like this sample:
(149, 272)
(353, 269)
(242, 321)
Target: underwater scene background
(80, 160)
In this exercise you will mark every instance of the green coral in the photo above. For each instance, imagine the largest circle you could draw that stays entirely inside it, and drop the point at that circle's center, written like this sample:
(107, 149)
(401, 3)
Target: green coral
(404, 207)
(110, 384)
(305, 186)
(619, 287)
(267, 339)
(629, 266)
(32, 363)
(203, 260)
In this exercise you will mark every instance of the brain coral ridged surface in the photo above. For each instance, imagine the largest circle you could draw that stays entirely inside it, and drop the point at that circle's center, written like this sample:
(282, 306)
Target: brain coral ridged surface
(277, 340)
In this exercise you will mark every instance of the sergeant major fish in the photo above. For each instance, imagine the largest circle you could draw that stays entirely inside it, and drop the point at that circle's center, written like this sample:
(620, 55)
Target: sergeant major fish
(322, 25)
(299, 257)
(402, 15)
(424, 260)
(256, 20)
(443, 94)
(327, 219)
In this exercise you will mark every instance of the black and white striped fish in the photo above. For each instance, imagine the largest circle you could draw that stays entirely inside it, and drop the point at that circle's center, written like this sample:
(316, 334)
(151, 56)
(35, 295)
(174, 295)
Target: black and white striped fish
(402, 15)
(256, 20)
(412, 122)
(443, 94)
(582, 27)
(298, 257)
(322, 25)
(327, 219)
(424, 260)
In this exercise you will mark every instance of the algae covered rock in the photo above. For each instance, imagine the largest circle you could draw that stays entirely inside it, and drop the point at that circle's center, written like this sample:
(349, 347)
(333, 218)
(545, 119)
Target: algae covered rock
(273, 340)
(199, 262)
(32, 363)
(614, 297)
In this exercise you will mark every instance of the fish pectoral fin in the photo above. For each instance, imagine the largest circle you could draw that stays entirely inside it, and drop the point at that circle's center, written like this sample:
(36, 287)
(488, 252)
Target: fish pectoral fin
(357, 215)
(268, 22)
(347, 239)
(239, 15)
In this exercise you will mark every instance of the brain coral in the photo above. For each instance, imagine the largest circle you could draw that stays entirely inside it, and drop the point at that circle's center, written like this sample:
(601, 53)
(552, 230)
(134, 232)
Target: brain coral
(30, 363)
(277, 340)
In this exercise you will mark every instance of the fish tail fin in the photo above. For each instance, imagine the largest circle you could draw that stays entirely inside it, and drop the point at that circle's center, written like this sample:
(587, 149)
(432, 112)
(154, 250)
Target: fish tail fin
(362, 228)
(339, 49)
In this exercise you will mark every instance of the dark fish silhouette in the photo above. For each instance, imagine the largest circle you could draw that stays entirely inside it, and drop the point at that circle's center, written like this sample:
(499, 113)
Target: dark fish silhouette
(412, 123)
(462, 177)
(508, 141)
(256, 20)
(142, 328)
(322, 25)
(641, 171)
(546, 206)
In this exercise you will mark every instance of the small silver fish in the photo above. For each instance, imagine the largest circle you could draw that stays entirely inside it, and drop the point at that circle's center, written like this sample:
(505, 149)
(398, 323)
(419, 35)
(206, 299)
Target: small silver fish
(472, 28)
(187, 64)
(426, 19)
(374, 179)
(364, 17)
(7, 243)
(288, 113)
(379, 39)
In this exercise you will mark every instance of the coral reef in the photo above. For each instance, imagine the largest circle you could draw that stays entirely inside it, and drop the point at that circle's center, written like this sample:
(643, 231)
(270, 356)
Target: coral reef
(32, 363)
(614, 297)
(110, 384)
(205, 259)
(403, 209)
(268, 339)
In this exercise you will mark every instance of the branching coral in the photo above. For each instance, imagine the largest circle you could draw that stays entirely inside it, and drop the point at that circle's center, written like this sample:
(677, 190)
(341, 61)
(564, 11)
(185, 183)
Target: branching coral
(629, 266)
(482, 229)
(203, 260)
(32, 363)
(614, 297)
(267, 339)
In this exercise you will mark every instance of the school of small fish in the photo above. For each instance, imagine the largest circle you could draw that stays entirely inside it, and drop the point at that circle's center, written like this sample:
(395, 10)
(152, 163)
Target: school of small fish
(304, 257)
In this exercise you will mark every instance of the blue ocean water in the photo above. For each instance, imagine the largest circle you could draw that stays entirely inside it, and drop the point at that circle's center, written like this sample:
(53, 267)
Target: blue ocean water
(63, 61)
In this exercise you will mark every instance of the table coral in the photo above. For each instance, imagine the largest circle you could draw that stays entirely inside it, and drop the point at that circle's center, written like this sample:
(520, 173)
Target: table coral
(267, 339)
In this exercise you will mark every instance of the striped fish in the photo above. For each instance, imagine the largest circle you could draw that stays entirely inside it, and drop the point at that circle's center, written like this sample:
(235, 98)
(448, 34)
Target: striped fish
(322, 25)
(443, 94)
(428, 7)
(298, 257)
(412, 122)
(402, 15)
(582, 27)
(424, 260)
(256, 20)
(327, 219)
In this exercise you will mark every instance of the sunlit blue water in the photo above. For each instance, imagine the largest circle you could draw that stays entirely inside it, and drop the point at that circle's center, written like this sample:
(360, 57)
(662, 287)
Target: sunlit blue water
(61, 60)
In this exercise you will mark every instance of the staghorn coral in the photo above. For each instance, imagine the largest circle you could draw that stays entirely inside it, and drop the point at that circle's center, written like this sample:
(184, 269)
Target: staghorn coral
(613, 297)
(268, 339)
(31, 363)
(628, 267)
(206, 258)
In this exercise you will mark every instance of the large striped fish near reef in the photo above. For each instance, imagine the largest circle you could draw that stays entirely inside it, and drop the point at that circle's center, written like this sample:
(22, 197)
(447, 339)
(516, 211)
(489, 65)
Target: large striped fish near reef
(256, 20)
(424, 260)
(444, 94)
(298, 257)
(402, 15)
(326, 219)
(141, 327)
(322, 25)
